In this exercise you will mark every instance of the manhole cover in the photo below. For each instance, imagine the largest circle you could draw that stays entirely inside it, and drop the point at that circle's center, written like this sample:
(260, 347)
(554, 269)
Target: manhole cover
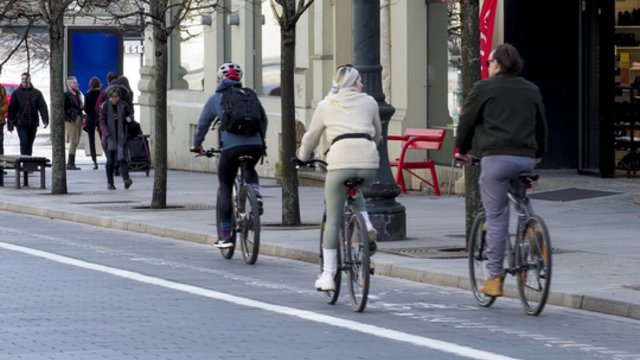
(443, 252)
(570, 194)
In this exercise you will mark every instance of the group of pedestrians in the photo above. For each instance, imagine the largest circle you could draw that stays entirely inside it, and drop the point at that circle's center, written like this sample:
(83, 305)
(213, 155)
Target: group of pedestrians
(108, 111)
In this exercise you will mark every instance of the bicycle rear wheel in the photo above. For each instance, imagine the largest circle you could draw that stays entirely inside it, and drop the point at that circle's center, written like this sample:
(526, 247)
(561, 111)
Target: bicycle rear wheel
(357, 261)
(249, 224)
(332, 296)
(478, 273)
(227, 253)
(535, 255)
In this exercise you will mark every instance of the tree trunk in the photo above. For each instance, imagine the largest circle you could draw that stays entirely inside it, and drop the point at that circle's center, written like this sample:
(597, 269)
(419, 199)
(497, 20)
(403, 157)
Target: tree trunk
(159, 198)
(290, 199)
(56, 113)
(470, 11)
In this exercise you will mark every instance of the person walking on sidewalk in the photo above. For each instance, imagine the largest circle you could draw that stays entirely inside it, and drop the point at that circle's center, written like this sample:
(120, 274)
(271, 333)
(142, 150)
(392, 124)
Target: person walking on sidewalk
(73, 112)
(4, 107)
(26, 103)
(503, 119)
(115, 115)
(349, 119)
(91, 119)
(234, 145)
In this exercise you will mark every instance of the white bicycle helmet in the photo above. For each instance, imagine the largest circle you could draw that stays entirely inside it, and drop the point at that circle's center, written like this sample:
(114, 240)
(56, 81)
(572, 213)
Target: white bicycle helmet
(230, 71)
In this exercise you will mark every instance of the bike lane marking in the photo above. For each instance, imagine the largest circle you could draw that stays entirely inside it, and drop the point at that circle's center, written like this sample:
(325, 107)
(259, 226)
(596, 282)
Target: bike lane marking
(378, 331)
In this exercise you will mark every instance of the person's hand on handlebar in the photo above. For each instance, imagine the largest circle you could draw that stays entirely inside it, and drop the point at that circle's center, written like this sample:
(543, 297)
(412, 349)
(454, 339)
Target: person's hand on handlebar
(197, 149)
(465, 159)
(297, 162)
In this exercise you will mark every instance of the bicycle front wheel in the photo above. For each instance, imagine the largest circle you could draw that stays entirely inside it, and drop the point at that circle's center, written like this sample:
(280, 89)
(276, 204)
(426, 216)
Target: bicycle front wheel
(227, 253)
(332, 296)
(248, 218)
(357, 261)
(534, 279)
(478, 272)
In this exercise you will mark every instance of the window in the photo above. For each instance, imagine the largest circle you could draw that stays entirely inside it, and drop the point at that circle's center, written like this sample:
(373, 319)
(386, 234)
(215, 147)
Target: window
(454, 83)
(270, 53)
(190, 73)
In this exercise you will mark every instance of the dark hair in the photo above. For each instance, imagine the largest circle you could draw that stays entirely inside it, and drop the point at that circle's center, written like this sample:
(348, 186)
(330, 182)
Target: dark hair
(113, 89)
(25, 73)
(111, 75)
(124, 81)
(509, 59)
(94, 83)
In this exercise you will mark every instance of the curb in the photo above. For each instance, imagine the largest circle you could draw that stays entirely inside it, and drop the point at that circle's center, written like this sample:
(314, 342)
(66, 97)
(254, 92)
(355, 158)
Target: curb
(574, 301)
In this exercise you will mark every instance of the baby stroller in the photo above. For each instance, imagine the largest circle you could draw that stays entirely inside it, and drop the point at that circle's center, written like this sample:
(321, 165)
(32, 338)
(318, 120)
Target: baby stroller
(139, 156)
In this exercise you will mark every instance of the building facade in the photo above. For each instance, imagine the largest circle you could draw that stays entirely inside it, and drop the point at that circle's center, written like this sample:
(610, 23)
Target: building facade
(421, 76)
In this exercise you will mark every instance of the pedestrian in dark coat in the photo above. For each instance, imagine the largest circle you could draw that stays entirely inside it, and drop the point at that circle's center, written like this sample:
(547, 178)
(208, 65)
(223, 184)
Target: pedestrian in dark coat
(26, 103)
(91, 120)
(115, 115)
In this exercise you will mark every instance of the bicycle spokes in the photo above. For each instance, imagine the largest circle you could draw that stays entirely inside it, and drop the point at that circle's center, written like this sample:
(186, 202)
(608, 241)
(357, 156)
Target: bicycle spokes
(534, 280)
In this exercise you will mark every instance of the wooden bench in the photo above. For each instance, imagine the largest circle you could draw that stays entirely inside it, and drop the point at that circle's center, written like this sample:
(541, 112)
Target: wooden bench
(417, 139)
(23, 164)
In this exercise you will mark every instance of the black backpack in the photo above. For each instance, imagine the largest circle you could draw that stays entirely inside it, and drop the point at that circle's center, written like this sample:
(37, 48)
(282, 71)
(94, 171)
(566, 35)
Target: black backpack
(241, 111)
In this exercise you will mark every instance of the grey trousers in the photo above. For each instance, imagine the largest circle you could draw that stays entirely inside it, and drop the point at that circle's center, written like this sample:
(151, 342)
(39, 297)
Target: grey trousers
(334, 197)
(496, 174)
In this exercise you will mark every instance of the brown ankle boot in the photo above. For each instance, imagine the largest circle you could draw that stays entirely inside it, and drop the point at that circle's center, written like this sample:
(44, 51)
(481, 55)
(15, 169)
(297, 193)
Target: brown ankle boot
(492, 287)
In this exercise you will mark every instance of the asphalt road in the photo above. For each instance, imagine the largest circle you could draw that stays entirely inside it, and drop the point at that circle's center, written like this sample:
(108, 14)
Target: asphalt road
(71, 291)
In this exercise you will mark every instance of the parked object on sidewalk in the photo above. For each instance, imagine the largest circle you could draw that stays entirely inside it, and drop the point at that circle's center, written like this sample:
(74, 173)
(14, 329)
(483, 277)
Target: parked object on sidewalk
(23, 164)
(139, 153)
(418, 139)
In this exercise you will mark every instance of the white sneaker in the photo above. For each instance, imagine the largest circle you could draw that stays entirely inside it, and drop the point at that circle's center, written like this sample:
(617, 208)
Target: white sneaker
(373, 238)
(325, 282)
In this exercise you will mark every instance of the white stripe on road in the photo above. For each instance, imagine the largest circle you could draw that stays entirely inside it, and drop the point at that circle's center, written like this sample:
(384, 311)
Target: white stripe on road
(303, 314)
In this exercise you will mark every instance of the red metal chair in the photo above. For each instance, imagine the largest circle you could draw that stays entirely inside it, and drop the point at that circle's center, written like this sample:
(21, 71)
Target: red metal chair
(417, 139)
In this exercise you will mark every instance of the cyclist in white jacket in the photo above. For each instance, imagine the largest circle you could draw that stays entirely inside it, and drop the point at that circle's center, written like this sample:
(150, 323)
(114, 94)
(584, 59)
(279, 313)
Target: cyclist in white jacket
(349, 119)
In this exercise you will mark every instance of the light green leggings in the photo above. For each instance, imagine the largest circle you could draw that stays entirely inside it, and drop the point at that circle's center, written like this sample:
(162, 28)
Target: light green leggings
(334, 197)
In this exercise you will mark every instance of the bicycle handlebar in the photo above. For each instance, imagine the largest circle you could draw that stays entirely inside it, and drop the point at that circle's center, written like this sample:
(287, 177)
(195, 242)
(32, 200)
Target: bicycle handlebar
(208, 152)
(460, 161)
(309, 164)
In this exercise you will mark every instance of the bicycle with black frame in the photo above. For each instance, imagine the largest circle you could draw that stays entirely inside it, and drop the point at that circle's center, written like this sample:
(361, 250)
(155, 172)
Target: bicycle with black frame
(528, 253)
(353, 245)
(245, 218)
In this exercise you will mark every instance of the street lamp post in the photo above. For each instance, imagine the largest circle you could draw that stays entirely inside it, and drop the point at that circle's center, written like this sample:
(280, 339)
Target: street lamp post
(387, 215)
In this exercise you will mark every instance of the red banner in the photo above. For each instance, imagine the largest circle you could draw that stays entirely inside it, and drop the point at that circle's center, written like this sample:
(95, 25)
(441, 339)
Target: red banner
(487, 22)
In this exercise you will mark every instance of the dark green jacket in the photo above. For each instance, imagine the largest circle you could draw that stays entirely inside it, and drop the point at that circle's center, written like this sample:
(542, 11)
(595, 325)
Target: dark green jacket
(503, 115)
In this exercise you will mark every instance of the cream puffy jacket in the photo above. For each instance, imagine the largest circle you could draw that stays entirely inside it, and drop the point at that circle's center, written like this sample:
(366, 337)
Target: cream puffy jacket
(348, 111)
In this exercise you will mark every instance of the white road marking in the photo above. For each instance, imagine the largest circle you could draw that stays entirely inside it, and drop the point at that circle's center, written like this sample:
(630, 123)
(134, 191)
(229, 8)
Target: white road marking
(378, 331)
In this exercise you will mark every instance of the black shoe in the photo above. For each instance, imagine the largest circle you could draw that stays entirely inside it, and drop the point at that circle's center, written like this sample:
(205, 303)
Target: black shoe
(95, 166)
(72, 167)
(224, 243)
(111, 187)
(260, 207)
(127, 183)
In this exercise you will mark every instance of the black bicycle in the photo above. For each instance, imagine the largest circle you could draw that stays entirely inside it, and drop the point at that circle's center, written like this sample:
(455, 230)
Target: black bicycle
(353, 244)
(245, 218)
(528, 253)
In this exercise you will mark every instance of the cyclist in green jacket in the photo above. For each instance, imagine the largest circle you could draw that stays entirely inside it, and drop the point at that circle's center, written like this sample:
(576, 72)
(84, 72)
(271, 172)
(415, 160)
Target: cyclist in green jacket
(503, 121)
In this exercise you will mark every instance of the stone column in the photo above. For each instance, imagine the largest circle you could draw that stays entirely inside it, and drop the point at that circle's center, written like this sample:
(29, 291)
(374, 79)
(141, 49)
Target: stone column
(387, 215)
